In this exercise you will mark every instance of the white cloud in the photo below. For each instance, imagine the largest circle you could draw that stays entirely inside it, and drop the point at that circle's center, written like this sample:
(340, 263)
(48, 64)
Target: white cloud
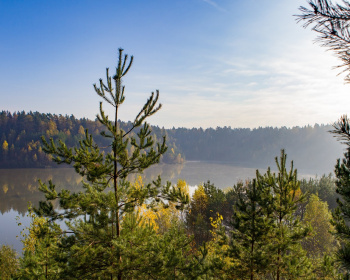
(293, 88)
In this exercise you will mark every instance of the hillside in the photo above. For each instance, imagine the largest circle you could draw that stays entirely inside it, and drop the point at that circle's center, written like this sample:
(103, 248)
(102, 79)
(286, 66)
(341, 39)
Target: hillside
(312, 148)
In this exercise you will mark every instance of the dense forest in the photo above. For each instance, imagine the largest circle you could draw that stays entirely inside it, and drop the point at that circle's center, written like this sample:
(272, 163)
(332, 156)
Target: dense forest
(312, 148)
(21, 132)
(21, 145)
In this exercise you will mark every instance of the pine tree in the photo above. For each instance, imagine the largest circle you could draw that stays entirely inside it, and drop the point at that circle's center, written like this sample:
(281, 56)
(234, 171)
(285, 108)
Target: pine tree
(288, 259)
(331, 22)
(252, 224)
(341, 216)
(265, 241)
(105, 238)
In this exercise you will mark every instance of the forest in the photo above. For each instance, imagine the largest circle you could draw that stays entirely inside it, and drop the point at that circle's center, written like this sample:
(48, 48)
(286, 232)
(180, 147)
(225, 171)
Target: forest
(21, 145)
(21, 133)
(274, 226)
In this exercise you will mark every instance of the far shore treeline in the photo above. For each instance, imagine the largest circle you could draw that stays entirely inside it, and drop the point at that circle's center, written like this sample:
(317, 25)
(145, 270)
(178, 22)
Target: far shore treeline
(312, 148)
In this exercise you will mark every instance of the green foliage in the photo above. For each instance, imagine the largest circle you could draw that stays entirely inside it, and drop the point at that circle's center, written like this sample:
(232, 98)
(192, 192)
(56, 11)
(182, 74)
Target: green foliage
(40, 244)
(8, 262)
(341, 216)
(289, 259)
(257, 147)
(322, 241)
(207, 202)
(246, 147)
(105, 236)
(22, 133)
(324, 187)
(252, 224)
(331, 22)
(266, 235)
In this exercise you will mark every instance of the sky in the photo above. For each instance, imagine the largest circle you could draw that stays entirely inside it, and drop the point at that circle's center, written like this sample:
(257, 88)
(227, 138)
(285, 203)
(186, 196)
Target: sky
(237, 63)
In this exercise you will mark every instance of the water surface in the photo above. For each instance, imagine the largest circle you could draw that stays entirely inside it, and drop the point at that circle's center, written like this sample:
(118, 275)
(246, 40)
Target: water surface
(18, 187)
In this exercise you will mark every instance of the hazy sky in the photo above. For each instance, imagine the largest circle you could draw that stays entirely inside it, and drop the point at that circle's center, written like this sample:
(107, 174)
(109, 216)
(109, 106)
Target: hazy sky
(238, 63)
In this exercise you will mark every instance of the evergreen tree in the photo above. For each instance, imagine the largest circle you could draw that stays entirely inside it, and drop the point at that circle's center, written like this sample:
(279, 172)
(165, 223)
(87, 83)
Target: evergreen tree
(289, 259)
(252, 224)
(265, 241)
(341, 216)
(331, 22)
(105, 237)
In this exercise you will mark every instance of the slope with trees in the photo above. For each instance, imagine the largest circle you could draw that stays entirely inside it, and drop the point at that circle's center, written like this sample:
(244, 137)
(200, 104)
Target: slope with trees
(21, 145)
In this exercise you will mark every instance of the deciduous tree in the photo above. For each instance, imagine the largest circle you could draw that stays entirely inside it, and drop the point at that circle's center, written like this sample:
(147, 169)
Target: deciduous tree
(8, 262)
(319, 217)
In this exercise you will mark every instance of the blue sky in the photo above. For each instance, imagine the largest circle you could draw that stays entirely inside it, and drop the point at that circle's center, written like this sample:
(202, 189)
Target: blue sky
(216, 63)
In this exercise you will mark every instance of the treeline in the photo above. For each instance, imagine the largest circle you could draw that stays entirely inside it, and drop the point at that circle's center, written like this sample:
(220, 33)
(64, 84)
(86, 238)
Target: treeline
(312, 148)
(21, 132)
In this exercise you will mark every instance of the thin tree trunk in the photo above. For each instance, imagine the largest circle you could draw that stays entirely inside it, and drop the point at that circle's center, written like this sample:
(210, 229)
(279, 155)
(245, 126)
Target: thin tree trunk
(115, 179)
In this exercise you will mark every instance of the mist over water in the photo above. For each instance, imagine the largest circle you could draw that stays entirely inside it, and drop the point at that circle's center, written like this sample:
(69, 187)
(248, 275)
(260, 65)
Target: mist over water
(19, 187)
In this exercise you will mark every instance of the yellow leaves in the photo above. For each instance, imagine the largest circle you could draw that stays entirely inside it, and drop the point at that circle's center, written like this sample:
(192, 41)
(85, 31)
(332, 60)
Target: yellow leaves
(183, 186)
(199, 201)
(295, 194)
(31, 239)
(81, 130)
(9, 262)
(52, 128)
(217, 221)
(138, 184)
(159, 218)
(33, 146)
(148, 216)
(67, 132)
(5, 146)
(318, 216)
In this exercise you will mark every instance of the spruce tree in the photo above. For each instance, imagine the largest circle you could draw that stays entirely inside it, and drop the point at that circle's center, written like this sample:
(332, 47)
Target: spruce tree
(106, 237)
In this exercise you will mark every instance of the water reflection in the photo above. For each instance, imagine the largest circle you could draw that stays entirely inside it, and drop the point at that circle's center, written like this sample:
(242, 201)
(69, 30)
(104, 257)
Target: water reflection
(18, 187)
